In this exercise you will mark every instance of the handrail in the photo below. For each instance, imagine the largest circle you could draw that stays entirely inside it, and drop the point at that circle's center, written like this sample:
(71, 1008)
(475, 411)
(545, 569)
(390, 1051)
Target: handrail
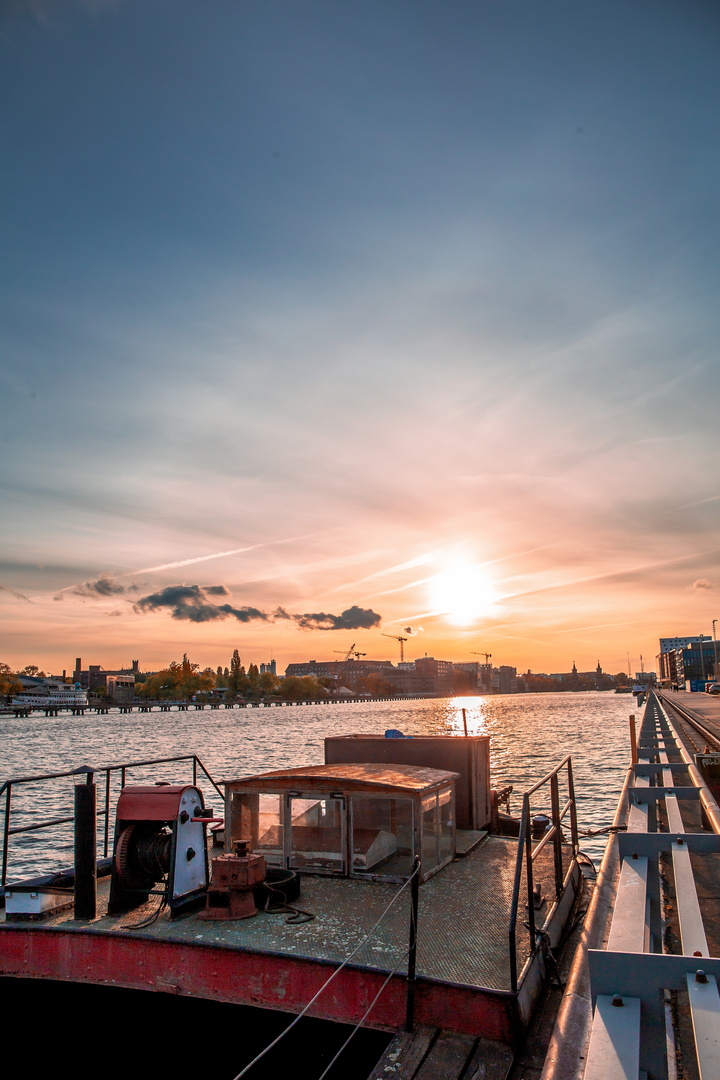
(526, 853)
(8, 787)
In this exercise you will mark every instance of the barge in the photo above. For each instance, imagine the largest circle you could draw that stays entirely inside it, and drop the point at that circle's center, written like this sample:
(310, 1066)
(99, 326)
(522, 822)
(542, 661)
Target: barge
(381, 892)
(412, 912)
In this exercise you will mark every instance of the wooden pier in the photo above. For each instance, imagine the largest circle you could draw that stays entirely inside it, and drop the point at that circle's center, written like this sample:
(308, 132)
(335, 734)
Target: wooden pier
(101, 708)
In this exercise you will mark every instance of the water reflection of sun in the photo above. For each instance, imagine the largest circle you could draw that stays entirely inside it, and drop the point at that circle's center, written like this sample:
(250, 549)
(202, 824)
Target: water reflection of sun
(476, 716)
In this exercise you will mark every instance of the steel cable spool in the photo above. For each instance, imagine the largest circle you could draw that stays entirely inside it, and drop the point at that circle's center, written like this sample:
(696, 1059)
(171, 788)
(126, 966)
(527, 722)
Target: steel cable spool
(141, 856)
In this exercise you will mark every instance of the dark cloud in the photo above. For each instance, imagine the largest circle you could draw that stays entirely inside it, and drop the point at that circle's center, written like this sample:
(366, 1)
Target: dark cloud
(191, 602)
(353, 618)
(194, 603)
(104, 586)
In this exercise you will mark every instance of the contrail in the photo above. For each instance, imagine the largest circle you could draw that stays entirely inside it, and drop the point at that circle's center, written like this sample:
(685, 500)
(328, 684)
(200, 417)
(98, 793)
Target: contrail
(190, 562)
(216, 555)
(700, 502)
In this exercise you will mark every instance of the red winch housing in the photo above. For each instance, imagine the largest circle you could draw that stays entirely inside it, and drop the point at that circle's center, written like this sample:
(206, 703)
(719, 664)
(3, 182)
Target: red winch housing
(159, 836)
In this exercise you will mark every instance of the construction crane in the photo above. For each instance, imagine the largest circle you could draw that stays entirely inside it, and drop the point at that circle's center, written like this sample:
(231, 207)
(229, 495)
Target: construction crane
(401, 639)
(487, 655)
(349, 653)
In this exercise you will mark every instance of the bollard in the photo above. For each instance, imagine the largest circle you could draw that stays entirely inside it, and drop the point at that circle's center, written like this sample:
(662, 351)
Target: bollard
(85, 849)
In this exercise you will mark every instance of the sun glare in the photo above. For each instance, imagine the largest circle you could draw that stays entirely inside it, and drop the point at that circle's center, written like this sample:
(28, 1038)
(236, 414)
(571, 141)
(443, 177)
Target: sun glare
(463, 593)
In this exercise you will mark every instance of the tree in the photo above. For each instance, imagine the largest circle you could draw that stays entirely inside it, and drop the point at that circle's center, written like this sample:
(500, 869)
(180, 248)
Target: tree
(267, 683)
(237, 672)
(179, 681)
(301, 688)
(9, 682)
(375, 685)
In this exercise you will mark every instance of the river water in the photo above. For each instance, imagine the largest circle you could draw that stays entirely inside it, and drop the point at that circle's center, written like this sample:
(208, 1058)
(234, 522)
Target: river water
(529, 733)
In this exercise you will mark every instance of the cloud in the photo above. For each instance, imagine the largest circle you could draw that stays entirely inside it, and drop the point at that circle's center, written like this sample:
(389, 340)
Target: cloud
(13, 592)
(102, 587)
(195, 604)
(353, 618)
(192, 603)
(702, 583)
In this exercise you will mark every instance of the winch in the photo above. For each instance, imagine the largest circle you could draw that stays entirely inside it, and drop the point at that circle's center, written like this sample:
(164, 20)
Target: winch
(159, 836)
(234, 877)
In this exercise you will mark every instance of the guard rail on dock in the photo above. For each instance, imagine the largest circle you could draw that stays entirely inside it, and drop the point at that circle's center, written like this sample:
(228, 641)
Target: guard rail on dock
(632, 978)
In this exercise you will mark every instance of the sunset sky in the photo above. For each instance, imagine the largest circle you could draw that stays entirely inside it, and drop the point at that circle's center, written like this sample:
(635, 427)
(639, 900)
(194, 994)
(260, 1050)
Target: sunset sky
(322, 320)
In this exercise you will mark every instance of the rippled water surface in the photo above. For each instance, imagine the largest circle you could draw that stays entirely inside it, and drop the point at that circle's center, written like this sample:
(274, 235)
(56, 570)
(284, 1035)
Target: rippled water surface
(530, 733)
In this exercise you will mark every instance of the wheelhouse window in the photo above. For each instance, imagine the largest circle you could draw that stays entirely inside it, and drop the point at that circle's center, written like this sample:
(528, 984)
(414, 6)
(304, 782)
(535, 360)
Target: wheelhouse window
(259, 818)
(317, 834)
(381, 835)
(438, 835)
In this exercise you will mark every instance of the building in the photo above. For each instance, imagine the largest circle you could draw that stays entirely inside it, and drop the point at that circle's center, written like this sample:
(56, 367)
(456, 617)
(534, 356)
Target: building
(435, 677)
(121, 688)
(95, 677)
(342, 672)
(669, 644)
(667, 658)
(695, 665)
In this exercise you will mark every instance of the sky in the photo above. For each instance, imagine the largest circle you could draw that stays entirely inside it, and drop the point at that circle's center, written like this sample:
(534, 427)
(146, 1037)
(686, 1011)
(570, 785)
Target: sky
(323, 322)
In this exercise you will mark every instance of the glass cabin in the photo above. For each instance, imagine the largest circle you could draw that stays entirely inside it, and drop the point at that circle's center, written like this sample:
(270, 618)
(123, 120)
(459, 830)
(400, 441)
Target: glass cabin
(357, 820)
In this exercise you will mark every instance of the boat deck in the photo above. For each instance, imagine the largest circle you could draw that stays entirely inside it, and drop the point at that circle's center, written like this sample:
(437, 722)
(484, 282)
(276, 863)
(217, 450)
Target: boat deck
(463, 942)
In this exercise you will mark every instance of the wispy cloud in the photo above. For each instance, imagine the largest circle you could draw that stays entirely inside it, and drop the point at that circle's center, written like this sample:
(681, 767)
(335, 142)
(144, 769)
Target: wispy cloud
(15, 593)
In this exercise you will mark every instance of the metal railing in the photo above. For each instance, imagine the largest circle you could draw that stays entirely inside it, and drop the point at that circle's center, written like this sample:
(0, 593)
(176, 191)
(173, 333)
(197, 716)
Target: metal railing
(527, 854)
(9, 787)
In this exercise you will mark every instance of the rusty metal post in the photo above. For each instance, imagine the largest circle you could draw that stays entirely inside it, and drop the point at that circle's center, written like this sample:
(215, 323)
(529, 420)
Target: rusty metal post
(6, 834)
(412, 951)
(85, 849)
(633, 740)
(557, 834)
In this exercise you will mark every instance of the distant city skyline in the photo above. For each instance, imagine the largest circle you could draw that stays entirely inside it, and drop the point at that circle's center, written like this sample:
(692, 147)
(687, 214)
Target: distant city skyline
(323, 322)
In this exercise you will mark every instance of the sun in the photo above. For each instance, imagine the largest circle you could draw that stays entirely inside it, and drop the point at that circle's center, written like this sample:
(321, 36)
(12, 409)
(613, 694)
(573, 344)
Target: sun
(463, 593)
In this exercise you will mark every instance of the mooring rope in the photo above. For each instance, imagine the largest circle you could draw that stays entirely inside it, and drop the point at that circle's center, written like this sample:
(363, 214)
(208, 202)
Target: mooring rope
(327, 982)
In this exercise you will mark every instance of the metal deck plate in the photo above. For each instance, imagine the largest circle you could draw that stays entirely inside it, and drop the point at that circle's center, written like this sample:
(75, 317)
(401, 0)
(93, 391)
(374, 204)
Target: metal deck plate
(463, 920)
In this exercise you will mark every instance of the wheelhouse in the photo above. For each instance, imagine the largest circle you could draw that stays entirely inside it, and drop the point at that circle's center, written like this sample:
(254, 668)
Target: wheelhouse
(348, 820)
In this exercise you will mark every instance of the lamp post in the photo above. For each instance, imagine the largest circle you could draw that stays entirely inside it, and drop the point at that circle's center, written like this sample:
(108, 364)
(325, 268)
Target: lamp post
(702, 659)
(715, 650)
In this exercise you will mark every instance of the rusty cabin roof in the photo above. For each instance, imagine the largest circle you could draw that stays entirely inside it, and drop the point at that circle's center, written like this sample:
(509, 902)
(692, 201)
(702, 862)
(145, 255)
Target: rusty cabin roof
(410, 779)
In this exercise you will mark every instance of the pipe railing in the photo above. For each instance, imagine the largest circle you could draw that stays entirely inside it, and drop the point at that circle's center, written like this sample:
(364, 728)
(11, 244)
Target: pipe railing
(527, 853)
(9, 788)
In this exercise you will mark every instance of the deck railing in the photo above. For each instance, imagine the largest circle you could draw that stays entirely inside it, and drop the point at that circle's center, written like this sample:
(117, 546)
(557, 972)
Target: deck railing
(527, 853)
(9, 788)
